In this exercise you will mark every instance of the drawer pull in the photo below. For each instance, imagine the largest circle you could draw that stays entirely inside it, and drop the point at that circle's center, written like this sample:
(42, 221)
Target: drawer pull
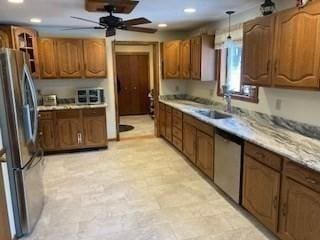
(311, 180)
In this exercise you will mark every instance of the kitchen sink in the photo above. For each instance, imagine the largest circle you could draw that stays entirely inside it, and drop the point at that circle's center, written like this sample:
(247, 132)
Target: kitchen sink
(214, 114)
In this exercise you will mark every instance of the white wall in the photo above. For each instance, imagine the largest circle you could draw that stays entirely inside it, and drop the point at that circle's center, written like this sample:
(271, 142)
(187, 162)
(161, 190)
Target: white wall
(65, 87)
(296, 104)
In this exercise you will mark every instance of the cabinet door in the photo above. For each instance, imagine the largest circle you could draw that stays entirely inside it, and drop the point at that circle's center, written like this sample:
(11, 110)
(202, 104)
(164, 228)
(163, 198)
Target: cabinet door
(69, 58)
(26, 40)
(185, 59)
(69, 129)
(300, 214)
(297, 52)
(205, 153)
(46, 135)
(94, 51)
(261, 192)
(169, 123)
(4, 39)
(257, 51)
(47, 58)
(162, 120)
(171, 59)
(196, 58)
(95, 131)
(190, 141)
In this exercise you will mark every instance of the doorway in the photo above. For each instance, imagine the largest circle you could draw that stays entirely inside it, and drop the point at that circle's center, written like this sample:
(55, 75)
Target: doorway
(134, 88)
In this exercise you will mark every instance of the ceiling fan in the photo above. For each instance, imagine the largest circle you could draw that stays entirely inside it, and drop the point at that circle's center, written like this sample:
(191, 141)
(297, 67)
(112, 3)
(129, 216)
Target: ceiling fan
(110, 23)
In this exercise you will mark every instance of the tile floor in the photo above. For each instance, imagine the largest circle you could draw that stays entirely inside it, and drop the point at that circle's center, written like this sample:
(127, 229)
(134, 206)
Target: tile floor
(136, 190)
(143, 126)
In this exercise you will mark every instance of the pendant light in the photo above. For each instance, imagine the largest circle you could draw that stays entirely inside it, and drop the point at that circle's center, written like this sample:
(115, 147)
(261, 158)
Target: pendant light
(229, 42)
(267, 7)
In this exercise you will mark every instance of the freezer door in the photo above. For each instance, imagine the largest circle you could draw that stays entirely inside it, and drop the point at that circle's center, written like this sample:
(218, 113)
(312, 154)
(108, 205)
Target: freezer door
(29, 182)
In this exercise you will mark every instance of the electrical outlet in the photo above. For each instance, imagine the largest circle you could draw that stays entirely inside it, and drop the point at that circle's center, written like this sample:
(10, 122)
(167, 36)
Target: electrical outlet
(278, 104)
(177, 88)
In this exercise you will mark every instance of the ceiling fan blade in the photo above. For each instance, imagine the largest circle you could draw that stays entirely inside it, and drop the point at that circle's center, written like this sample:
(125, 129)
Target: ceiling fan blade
(136, 21)
(110, 32)
(139, 29)
(121, 6)
(82, 28)
(86, 20)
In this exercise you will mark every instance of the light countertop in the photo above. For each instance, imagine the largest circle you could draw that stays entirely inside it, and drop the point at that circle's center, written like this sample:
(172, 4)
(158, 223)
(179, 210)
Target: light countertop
(289, 144)
(70, 106)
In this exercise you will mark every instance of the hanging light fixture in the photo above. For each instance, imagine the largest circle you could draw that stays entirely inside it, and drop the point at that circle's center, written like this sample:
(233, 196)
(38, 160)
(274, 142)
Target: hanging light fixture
(267, 7)
(229, 42)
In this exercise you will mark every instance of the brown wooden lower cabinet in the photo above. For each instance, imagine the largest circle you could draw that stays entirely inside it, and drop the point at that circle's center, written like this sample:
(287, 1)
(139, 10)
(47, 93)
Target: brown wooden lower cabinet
(205, 153)
(261, 192)
(72, 129)
(190, 141)
(166, 122)
(162, 120)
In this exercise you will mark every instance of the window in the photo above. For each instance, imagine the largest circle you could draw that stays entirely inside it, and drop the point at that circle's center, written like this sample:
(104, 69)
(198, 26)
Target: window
(228, 62)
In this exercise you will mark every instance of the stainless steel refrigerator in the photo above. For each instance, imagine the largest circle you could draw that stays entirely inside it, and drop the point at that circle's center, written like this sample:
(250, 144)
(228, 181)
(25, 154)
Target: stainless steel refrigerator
(19, 124)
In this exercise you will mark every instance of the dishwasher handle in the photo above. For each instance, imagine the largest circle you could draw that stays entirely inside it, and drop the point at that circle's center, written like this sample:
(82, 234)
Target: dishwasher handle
(229, 137)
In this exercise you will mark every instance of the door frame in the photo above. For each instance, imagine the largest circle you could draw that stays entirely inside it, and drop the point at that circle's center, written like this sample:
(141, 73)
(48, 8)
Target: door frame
(156, 79)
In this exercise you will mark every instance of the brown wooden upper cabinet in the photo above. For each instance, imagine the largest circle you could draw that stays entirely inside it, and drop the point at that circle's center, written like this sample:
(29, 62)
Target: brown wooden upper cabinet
(294, 43)
(189, 59)
(72, 58)
(257, 51)
(171, 59)
(23, 39)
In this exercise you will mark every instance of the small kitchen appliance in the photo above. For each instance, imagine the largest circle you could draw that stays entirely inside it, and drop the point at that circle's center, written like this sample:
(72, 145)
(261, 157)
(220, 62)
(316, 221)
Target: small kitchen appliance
(90, 96)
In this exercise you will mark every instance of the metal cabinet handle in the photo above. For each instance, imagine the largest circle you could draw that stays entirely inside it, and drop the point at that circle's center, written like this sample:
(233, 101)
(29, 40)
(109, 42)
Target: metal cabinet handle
(275, 202)
(79, 135)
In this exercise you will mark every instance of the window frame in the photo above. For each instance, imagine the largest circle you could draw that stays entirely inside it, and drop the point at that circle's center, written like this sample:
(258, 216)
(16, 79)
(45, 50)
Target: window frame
(236, 95)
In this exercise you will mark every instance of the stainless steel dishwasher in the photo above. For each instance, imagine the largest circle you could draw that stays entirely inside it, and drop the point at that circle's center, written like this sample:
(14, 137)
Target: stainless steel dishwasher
(228, 164)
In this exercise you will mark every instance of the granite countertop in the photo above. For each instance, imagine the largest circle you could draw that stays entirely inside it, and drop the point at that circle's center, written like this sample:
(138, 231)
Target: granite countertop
(294, 146)
(70, 106)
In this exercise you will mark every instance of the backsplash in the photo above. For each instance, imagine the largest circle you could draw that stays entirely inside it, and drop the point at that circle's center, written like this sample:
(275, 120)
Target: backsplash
(298, 127)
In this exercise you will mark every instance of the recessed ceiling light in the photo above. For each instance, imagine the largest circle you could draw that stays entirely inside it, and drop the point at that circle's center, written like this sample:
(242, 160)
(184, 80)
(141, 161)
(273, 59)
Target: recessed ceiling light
(35, 20)
(162, 25)
(15, 1)
(189, 10)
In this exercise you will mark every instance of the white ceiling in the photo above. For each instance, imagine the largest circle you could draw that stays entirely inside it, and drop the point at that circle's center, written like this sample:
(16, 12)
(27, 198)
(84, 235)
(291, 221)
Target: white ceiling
(58, 12)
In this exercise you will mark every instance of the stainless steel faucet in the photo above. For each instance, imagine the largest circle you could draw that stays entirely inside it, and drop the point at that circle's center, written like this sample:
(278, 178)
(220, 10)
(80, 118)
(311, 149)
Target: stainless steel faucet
(227, 95)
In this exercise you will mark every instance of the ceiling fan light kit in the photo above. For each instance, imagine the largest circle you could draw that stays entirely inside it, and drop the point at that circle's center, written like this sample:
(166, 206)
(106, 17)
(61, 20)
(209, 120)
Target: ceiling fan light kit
(111, 23)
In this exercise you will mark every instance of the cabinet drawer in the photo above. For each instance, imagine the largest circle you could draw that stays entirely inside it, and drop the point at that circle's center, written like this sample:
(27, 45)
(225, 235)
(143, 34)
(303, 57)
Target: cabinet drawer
(177, 133)
(162, 106)
(264, 156)
(177, 122)
(177, 114)
(46, 115)
(205, 128)
(65, 114)
(177, 143)
(303, 175)
(94, 112)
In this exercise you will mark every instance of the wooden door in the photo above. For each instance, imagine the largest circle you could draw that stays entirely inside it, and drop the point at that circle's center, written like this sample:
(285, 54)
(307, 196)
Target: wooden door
(4, 219)
(69, 129)
(258, 39)
(297, 52)
(26, 40)
(190, 141)
(4, 39)
(205, 153)
(95, 127)
(162, 120)
(185, 59)
(300, 214)
(94, 52)
(171, 60)
(70, 58)
(261, 192)
(196, 56)
(47, 135)
(47, 58)
(133, 83)
(169, 123)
